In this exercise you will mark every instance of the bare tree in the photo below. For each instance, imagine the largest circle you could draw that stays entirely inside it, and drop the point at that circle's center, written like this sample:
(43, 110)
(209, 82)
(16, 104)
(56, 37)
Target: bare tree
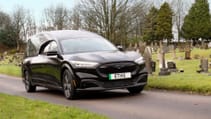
(117, 20)
(76, 18)
(23, 24)
(180, 8)
(31, 27)
(18, 21)
(57, 17)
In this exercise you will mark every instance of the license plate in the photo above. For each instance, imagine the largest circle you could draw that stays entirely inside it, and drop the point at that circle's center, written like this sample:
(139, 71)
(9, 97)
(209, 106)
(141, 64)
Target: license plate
(117, 76)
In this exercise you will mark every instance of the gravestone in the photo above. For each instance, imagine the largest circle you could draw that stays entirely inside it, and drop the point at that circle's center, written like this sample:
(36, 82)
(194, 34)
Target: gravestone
(163, 70)
(172, 66)
(187, 54)
(148, 58)
(203, 66)
(153, 66)
(141, 47)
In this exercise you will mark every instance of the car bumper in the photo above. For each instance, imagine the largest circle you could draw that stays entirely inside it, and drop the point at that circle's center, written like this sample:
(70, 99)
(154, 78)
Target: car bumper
(102, 85)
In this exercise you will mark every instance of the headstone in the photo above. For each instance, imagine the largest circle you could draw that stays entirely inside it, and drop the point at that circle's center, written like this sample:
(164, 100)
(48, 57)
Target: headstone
(165, 48)
(172, 66)
(142, 47)
(163, 70)
(148, 58)
(153, 65)
(187, 54)
(203, 66)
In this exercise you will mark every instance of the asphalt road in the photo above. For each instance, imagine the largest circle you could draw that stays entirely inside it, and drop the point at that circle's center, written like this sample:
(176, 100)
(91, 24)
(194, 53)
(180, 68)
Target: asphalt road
(119, 104)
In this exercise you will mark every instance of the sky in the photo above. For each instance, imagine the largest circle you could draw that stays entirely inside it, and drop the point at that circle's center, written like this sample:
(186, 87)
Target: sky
(35, 6)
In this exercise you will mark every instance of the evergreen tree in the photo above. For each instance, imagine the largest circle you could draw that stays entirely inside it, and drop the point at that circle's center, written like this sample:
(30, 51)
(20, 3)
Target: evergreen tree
(150, 25)
(197, 23)
(164, 22)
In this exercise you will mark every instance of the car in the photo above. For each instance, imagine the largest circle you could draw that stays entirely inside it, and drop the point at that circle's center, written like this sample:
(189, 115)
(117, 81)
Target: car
(74, 61)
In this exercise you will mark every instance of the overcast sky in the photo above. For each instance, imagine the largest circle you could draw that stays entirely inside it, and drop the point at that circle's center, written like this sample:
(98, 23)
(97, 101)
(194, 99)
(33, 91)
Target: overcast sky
(35, 6)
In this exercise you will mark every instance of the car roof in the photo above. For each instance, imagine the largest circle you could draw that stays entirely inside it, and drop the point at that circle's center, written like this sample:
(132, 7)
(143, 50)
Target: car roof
(68, 34)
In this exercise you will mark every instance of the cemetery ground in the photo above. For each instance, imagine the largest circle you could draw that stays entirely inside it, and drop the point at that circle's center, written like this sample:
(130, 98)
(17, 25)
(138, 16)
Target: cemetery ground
(188, 81)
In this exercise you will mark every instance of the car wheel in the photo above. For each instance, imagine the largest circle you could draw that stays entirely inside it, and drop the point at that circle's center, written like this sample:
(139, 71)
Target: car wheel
(68, 86)
(136, 90)
(28, 85)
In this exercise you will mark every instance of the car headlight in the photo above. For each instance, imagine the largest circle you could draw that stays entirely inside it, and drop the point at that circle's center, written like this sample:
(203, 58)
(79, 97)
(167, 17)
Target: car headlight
(81, 64)
(140, 60)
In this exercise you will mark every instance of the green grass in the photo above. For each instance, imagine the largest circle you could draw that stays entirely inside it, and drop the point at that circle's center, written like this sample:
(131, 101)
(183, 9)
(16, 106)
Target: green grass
(189, 81)
(12, 107)
(10, 69)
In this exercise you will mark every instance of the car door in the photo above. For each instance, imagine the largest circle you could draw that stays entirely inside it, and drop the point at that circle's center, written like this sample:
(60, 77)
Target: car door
(50, 65)
(34, 61)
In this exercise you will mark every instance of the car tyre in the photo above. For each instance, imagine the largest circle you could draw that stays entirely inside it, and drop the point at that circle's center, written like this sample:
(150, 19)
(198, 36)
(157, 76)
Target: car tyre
(68, 85)
(136, 90)
(27, 81)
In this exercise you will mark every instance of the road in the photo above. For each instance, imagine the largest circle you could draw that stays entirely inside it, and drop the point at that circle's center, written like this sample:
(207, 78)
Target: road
(119, 104)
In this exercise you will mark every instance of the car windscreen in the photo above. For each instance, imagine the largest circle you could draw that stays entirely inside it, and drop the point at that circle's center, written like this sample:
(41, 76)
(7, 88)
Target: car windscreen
(79, 45)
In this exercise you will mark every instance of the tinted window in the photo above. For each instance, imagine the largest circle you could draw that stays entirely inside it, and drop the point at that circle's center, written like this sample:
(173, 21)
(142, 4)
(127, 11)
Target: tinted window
(86, 45)
(52, 46)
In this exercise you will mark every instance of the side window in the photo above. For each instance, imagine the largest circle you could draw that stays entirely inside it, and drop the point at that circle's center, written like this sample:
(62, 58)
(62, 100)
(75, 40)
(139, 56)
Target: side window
(46, 49)
(52, 46)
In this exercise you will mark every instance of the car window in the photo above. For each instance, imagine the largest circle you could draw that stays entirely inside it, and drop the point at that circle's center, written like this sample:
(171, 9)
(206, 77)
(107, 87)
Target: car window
(46, 49)
(52, 46)
(86, 45)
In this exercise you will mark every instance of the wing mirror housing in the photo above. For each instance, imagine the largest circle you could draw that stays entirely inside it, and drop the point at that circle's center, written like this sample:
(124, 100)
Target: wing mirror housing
(54, 53)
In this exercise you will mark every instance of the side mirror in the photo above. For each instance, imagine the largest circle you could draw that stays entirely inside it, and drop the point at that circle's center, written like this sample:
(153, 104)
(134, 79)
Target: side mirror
(120, 47)
(54, 53)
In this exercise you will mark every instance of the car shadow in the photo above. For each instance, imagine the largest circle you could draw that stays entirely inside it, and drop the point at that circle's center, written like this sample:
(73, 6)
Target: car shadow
(111, 94)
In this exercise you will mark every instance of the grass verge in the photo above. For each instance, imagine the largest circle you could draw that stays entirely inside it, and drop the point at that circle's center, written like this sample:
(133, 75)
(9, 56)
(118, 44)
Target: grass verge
(10, 69)
(13, 107)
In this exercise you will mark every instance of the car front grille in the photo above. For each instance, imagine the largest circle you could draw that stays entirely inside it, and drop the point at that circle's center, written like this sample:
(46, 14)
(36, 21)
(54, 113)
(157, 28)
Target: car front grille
(106, 69)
